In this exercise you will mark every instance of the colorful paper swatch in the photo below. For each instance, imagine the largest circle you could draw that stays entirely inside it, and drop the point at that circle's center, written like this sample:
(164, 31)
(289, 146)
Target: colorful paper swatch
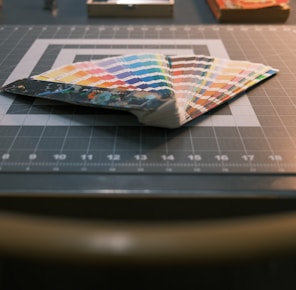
(164, 91)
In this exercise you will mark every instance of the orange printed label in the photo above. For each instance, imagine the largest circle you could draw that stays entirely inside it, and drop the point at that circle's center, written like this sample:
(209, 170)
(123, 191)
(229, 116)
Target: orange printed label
(249, 4)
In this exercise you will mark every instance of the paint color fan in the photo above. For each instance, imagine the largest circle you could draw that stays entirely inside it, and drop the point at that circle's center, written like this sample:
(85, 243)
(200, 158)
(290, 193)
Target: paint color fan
(163, 91)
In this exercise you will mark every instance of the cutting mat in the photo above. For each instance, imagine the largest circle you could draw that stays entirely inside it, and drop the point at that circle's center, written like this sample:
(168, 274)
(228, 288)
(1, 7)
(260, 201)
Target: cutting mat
(254, 134)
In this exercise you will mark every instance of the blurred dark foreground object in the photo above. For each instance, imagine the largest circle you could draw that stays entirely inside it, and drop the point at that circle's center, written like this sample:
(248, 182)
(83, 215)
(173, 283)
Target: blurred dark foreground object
(147, 243)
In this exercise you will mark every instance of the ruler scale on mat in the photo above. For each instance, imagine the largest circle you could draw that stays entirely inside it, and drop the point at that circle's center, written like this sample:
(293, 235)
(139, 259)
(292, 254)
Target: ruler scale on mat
(255, 133)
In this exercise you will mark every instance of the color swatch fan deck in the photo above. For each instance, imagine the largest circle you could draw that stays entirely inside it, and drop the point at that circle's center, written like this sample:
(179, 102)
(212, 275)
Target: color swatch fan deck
(163, 91)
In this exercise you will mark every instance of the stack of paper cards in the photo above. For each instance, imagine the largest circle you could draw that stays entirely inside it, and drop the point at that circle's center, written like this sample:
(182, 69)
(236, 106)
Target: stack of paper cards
(163, 91)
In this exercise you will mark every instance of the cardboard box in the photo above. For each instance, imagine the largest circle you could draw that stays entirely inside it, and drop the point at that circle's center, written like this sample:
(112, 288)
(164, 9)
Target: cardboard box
(130, 8)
